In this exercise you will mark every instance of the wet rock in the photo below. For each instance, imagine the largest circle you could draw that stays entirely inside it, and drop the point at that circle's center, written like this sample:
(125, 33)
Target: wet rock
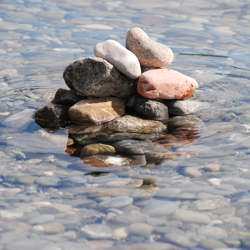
(50, 228)
(109, 137)
(140, 229)
(123, 59)
(191, 172)
(117, 202)
(98, 148)
(184, 107)
(212, 244)
(97, 231)
(52, 116)
(97, 78)
(148, 109)
(166, 84)
(192, 216)
(106, 161)
(132, 124)
(149, 52)
(153, 152)
(97, 111)
(65, 97)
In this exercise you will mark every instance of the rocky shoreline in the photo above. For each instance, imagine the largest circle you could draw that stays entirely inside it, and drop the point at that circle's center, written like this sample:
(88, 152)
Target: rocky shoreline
(119, 103)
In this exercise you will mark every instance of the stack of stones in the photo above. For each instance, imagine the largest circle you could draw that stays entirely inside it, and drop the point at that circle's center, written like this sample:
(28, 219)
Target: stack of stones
(119, 102)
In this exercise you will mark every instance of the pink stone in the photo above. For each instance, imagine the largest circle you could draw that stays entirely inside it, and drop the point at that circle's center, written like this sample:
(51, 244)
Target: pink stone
(166, 84)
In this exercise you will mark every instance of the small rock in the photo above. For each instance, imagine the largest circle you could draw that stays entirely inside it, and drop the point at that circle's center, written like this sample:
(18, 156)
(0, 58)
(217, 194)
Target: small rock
(52, 116)
(149, 182)
(117, 202)
(97, 78)
(47, 181)
(132, 124)
(166, 84)
(50, 228)
(191, 172)
(192, 216)
(98, 148)
(102, 161)
(124, 60)
(140, 229)
(183, 107)
(213, 167)
(65, 97)
(97, 111)
(211, 244)
(148, 109)
(120, 233)
(149, 52)
(97, 231)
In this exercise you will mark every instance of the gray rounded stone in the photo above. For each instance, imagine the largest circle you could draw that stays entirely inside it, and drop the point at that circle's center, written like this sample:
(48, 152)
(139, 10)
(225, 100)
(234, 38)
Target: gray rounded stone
(96, 77)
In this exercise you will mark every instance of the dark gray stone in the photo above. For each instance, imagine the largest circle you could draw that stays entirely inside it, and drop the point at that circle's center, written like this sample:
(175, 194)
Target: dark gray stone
(52, 116)
(65, 97)
(148, 109)
(95, 77)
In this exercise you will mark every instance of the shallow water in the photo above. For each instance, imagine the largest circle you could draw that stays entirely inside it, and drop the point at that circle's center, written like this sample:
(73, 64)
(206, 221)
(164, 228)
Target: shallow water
(199, 200)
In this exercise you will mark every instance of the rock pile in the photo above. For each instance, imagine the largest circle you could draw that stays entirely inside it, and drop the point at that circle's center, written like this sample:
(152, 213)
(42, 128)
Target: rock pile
(119, 102)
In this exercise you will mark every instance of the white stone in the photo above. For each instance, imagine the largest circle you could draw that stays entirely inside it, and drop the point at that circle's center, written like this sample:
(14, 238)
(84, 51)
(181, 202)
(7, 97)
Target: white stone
(123, 59)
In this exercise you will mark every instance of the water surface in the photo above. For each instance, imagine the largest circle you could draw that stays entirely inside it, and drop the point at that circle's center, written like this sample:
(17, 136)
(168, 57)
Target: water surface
(49, 200)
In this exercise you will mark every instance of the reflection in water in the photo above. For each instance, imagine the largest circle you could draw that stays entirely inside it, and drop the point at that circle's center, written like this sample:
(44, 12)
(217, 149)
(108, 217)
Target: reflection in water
(106, 149)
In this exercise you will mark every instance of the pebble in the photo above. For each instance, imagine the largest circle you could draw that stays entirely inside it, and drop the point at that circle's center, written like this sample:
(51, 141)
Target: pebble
(52, 116)
(10, 215)
(192, 172)
(65, 97)
(98, 148)
(20, 120)
(215, 181)
(140, 229)
(47, 181)
(213, 232)
(148, 109)
(117, 202)
(184, 107)
(123, 59)
(97, 231)
(156, 208)
(120, 233)
(132, 124)
(96, 111)
(211, 244)
(192, 216)
(149, 52)
(96, 77)
(166, 84)
(50, 228)
(213, 167)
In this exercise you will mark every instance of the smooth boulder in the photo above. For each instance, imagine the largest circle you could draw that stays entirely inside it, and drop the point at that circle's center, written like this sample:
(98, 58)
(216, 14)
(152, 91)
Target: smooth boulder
(166, 84)
(96, 77)
(149, 52)
(97, 148)
(148, 109)
(96, 111)
(123, 59)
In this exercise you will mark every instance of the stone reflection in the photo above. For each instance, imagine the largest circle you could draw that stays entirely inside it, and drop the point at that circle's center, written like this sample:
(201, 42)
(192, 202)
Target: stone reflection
(100, 146)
